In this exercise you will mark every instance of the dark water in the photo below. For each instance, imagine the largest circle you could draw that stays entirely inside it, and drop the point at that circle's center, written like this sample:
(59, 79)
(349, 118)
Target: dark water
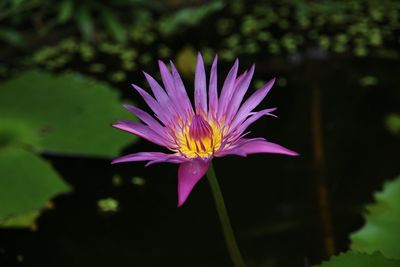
(272, 199)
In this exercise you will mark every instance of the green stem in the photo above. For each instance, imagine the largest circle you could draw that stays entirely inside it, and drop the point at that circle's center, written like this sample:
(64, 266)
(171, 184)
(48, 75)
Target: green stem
(224, 218)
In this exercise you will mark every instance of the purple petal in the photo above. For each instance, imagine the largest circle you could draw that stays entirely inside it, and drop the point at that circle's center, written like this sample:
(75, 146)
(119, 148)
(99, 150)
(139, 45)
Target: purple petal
(200, 91)
(181, 92)
(169, 85)
(149, 156)
(213, 92)
(254, 118)
(245, 147)
(190, 172)
(153, 104)
(251, 103)
(171, 159)
(161, 96)
(240, 91)
(158, 91)
(146, 118)
(142, 131)
(227, 89)
(167, 79)
(238, 80)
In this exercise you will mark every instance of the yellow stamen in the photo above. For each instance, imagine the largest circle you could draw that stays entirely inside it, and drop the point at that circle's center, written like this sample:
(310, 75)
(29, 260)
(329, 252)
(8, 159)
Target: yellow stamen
(199, 138)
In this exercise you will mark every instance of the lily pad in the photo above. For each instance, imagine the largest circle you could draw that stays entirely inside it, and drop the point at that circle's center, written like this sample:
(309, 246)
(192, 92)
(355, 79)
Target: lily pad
(27, 183)
(25, 220)
(355, 259)
(381, 231)
(17, 133)
(69, 113)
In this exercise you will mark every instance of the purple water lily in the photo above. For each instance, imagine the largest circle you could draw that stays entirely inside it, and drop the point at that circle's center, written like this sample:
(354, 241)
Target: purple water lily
(215, 128)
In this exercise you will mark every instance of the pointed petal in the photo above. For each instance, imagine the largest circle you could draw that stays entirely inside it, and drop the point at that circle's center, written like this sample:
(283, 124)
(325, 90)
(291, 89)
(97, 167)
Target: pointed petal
(167, 79)
(251, 103)
(227, 89)
(142, 131)
(171, 159)
(190, 172)
(169, 85)
(200, 90)
(158, 91)
(153, 104)
(238, 80)
(161, 96)
(148, 156)
(146, 118)
(213, 92)
(181, 92)
(246, 147)
(240, 91)
(254, 118)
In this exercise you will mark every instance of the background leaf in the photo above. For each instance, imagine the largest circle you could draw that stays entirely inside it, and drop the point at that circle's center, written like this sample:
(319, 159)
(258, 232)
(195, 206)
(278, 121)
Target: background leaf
(26, 184)
(17, 133)
(85, 22)
(69, 113)
(355, 259)
(382, 229)
(188, 17)
(23, 220)
(12, 37)
(66, 9)
(113, 25)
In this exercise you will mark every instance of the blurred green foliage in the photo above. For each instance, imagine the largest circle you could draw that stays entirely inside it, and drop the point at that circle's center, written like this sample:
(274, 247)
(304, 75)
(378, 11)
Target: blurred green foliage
(368, 81)
(356, 259)
(138, 181)
(145, 32)
(381, 231)
(11, 36)
(108, 205)
(87, 15)
(190, 16)
(393, 123)
(335, 26)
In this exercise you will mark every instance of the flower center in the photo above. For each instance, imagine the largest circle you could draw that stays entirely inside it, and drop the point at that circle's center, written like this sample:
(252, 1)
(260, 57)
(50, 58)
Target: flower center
(200, 138)
(200, 129)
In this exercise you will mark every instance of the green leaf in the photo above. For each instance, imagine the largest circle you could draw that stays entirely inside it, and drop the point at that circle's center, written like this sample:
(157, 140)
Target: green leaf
(188, 17)
(382, 229)
(113, 25)
(27, 183)
(355, 259)
(65, 11)
(12, 37)
(48, 26)
(20, 221)
(85, 22)
(67, 114)
(17, 133)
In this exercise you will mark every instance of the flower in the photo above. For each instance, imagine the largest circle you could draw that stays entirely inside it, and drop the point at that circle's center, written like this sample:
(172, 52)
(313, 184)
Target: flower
(215, 128)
